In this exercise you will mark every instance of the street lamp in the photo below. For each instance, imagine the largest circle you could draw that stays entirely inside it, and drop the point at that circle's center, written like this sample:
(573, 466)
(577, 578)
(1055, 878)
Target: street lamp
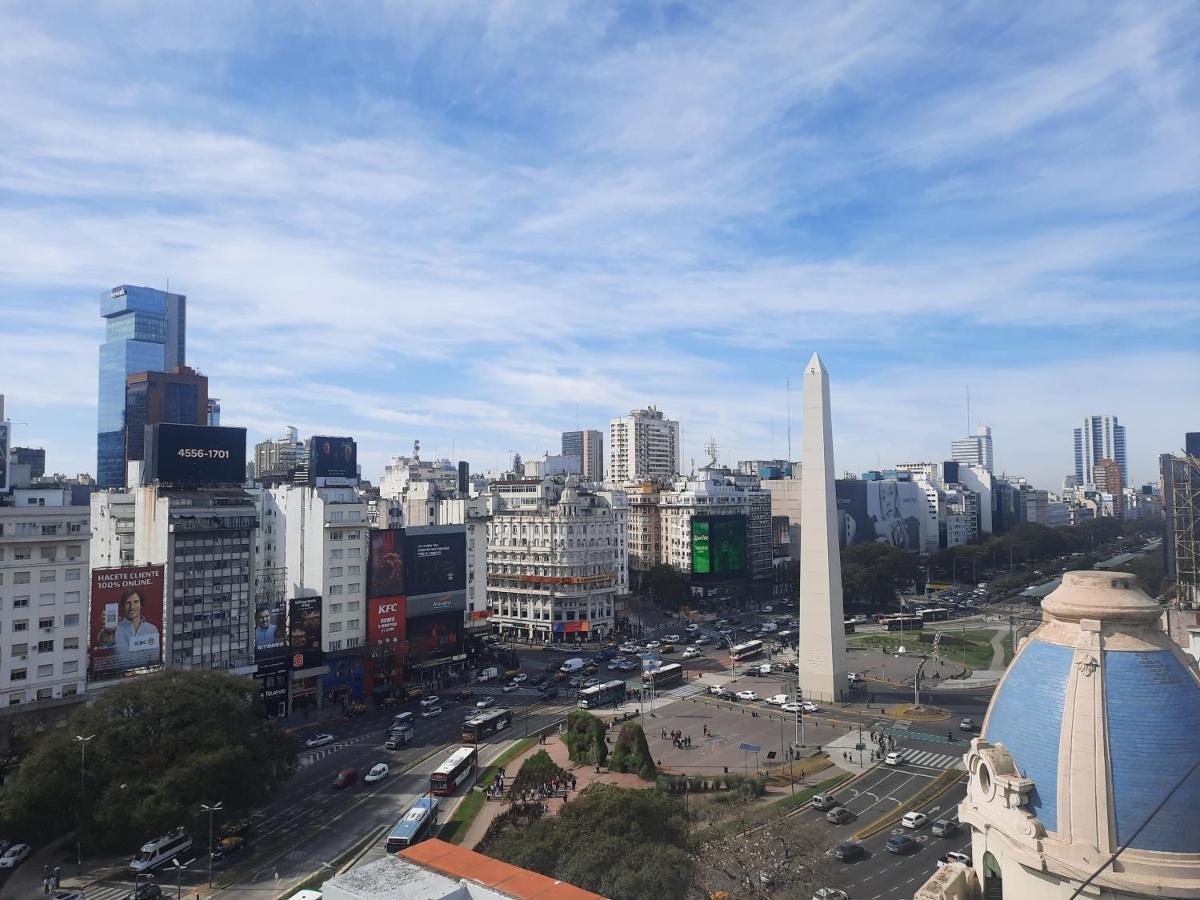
(216, 807)
(83, 742)
(179, 867)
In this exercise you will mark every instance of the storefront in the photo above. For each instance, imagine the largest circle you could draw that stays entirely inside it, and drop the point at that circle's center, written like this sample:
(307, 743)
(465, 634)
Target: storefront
(345, 682)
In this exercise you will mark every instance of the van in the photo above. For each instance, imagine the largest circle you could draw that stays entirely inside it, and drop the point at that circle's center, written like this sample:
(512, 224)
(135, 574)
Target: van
(399, 737)
(488, 674)
(769, 626)
(571, 665)
(824, 801)
(160, 851)
(403, 720)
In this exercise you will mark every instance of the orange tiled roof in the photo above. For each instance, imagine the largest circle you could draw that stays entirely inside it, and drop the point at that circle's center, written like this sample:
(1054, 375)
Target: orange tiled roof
(499, 876)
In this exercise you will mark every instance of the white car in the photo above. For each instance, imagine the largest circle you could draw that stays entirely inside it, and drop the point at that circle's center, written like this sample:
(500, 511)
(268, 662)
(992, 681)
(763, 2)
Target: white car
(914, 820)
(790, 707)
(629, 648)
(430, 712)
(778, 700)
(431, 700)
(485, 702)
(319, 740)
(378, 772)
(14, 856)
(894, 758)
(768, 608)
(718, 690)
(509, 688)
(747, 695)
(853, 677)
(520, 678)
(653, 645)
(809, 706)
(672, 639)
(828, 893)
(691, 626)
(691, 652)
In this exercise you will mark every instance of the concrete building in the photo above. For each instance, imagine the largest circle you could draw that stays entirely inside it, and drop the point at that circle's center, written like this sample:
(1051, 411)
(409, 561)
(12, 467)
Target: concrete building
(34, 457)
(1099, 437)
(1085, 768)
(642, 445)
(588, 445)
(179, 397)
(1108, 480)
(554, 560)
(43, 607)
(645, 526)
(715, 491)
(403, 470)
(822, 637)
(145, 331)
(279, 459)
(549, 466)
(975, 450)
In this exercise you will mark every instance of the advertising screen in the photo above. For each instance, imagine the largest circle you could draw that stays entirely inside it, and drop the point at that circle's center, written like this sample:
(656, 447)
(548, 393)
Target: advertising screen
(385, 570)
(429, 604)
(890, 512)
(435, 560)
(304, 632)
(719, 546)
(386, 621)
(126, 620)
(270, 628)
(434, 632)
(195, 454)
(333, 457)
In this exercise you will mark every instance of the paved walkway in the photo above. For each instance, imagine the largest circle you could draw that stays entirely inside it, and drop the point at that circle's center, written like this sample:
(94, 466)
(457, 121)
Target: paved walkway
(584, 775)
(997, 650)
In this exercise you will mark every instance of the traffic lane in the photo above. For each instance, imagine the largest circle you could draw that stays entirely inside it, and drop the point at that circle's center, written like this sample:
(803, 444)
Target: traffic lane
(881, 791)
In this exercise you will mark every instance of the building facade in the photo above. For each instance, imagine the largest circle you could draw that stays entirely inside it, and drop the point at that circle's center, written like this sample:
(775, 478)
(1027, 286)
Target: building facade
(1108, 480)
(1180, 490)
(1099, 437)
(279, 459)
(588, 445)
(145, 331)
(642, 445)
(975, 450)
(179, 397)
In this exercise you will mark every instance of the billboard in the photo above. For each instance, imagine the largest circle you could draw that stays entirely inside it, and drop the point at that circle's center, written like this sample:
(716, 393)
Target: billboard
(429, 604)
(333, 457)
(126, 620)
(270, 628)
(435, 560)
(195, 454)
(5, 440)
(435, 632)
(304, 632)
(385, 569)
(719, 546)
(887, 511)
(781, 536)
(386, 620)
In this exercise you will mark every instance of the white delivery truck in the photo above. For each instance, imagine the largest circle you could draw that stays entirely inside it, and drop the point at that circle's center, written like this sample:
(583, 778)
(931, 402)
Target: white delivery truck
(488, 674)
(571, 665)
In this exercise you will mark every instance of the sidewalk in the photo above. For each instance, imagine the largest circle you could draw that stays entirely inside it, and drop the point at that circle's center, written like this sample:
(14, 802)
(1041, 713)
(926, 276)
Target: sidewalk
(584, 775)
(26, 881)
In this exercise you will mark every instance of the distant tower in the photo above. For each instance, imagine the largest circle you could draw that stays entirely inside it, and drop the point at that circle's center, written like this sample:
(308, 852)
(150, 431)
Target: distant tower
(822, 656)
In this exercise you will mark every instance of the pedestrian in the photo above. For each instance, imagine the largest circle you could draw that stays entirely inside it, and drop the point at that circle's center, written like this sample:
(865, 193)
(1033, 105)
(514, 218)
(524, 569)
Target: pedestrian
(46, 885)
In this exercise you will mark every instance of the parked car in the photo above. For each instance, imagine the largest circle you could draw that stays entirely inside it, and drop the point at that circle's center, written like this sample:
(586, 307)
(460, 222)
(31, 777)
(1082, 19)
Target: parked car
(954, 856)
(14, 856)
(900, 844)
(653, 645)
(853, 677)
(549, 692)
(703, 639)
(824, 801)
(839, 815)
(319, 740)
(945, 828)
(691, 626)
(914, 820)
(747, 695)
(718, 690)
(828, 893)
(549, 647)
(537, 680)
(378, 772)
(791, 708)
(848, 851)
(894, 758)
(485, 702)
(431, 700)
(345, 778)
(430, 712)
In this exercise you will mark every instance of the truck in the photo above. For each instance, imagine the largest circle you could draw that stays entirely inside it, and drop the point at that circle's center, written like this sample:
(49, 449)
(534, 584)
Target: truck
(489, 673)
(398, 737)
(571, 665)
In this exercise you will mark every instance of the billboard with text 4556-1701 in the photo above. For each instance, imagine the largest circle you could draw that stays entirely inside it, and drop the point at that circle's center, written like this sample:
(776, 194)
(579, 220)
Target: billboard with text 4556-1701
(126, 620)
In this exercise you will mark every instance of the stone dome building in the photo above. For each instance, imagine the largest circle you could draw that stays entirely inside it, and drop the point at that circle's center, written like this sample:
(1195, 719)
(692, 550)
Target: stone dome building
(1091, 745)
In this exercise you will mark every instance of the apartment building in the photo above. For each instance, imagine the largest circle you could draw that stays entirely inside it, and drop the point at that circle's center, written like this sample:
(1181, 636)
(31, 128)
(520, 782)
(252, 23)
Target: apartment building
(643, 444)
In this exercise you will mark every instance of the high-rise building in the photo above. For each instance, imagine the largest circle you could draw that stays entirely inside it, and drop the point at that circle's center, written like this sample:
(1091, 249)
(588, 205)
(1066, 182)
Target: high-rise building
(1108, 480)
(214, 411)
(145, 331)
(178, 397)
(1100, 437)
(34, 457)
(280, 458)
(975, 450)
(643, 444)
(589, 447)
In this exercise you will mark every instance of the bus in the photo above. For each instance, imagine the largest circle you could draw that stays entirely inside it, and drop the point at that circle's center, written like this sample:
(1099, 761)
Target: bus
(746, 650)
(485, 724)
(670, 674)
(935, 614)
(610, 693)
(903, 623)
(786, 638)
(850, 626)
(414, 826)
(453, 771)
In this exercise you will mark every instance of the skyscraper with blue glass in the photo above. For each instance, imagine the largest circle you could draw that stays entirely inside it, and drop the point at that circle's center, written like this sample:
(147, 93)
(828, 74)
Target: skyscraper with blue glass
(145, 332)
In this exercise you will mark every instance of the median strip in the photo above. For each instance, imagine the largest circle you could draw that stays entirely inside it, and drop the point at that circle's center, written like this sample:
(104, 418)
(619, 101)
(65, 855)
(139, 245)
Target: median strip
(935, 789)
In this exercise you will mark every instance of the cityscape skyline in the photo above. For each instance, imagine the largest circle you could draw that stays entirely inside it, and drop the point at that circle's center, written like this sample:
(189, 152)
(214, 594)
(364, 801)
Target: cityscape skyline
(605, 198)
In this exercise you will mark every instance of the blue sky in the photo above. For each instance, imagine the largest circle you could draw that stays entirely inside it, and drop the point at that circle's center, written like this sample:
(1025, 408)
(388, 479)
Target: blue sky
(479, 224)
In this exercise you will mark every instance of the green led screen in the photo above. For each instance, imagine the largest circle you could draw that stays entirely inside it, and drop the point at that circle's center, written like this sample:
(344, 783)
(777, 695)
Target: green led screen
(719, 546)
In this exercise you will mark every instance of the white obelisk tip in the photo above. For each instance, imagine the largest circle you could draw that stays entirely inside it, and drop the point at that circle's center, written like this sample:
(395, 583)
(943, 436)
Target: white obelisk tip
(815, 365)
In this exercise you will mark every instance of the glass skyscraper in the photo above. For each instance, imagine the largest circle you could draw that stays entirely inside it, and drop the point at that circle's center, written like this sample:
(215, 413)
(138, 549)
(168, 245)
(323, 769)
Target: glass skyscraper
(145, 332)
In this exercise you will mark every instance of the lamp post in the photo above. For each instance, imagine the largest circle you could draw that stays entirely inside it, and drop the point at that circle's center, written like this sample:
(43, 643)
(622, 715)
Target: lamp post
(216, 807)
(179, 867)
(83, 742)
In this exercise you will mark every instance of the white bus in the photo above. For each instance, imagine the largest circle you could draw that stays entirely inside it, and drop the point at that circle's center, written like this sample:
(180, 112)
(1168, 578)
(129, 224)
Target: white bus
(453, 771)
(747, 650)
(414, 826)
(610, 693)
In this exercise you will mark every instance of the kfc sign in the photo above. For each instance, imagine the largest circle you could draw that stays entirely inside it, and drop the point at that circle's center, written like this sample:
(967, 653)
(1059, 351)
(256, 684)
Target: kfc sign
(386, 621)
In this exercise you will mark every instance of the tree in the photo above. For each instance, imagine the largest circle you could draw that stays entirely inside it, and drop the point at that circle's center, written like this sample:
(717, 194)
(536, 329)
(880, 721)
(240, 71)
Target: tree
(783, 858)
(669, 586)
(631, 753)
(873, 573)
(585, 738)
(164, 744)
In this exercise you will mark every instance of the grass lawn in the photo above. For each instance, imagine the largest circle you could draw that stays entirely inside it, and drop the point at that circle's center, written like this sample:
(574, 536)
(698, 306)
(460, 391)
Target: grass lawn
(975, 654)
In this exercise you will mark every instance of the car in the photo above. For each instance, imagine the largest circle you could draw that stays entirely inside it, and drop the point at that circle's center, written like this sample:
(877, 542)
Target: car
(894, 758)
(848, 851)
(671, 639)
(667, 648)
(537, 680)
(237, 828)
(431, 700)
(691, 652)
(967, 725)
(717, 690)
(509, 688)
(754, 672)
(914, 820)
(828, 893)
(703, 639)
(853, 677)
(747, 695)
(345, 778)
(653, 645)
(485, 702)
(549, 692)
(147, 890)
(839, 815)
(227, 846)
(900, 844)
(319, 740)
(945, 828)
(550, 647)
(691, 626)
(954, 856)
(809, 707)
(606, 653)
(430, 712)
(791, 707)
(825, 801)
(768, 608)
(778, 699)
(616, 666)
(378, 772)
(461, 696)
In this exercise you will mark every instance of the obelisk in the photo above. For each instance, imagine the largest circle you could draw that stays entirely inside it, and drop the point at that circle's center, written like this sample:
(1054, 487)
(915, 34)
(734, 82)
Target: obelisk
(822, 653)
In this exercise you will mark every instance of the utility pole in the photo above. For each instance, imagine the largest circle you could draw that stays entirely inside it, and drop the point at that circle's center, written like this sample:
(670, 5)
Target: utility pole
(83, 742)
(216, 807)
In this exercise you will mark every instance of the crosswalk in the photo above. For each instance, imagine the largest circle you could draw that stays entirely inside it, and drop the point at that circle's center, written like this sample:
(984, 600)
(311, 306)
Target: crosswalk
(308, 757)
(931, 760)
(117, 891)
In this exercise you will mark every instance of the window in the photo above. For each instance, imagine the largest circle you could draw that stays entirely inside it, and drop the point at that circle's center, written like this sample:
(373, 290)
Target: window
(352, 535)
(49, 529)
(335, 535)
(353, 624)
(71, 575)
(353, 642)
(21, 602)
(71, 620)
(353, 606)
(71, 643)
(74, 551)
(48, 554)
(17, 675)
(45, 646)
(21, 625)
(335, 608)
(20, 578)
(20, 649)
(354, 553)
(354, 587)
(70, 666)
(353, 570)
(335, 554)
(335, 590)
(48, 575)
(46, 599)
(335, 627)
(71, 597)
(46, 671)
(23, 553)
(335, 645)
(47, 622)
(335, 571)
(69, 690)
